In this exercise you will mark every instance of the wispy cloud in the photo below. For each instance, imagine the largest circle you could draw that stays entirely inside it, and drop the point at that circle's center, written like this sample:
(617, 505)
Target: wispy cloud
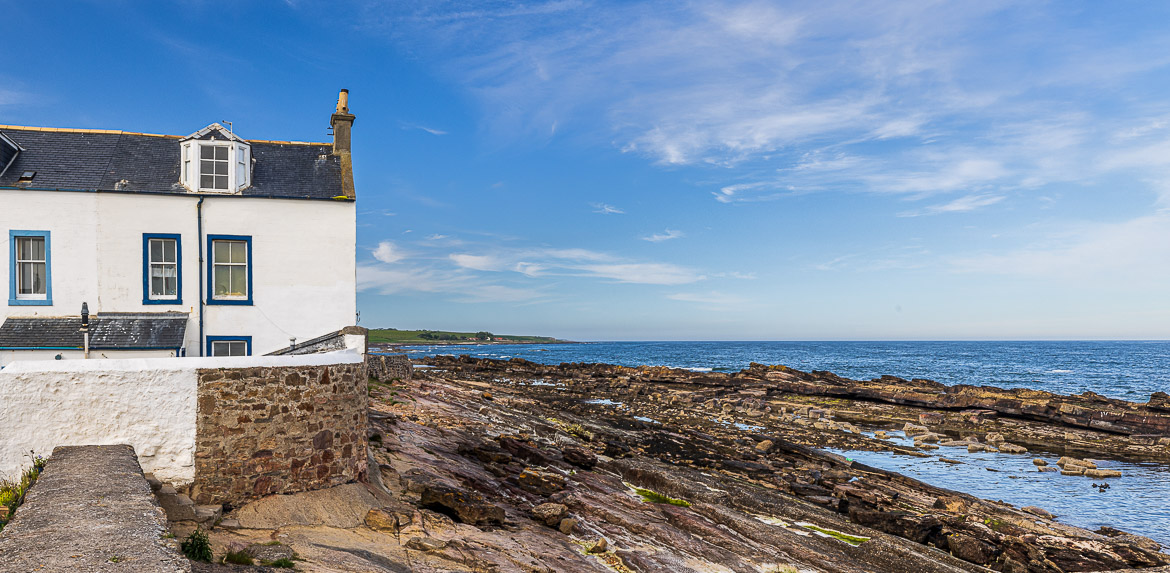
(712, 298)
(605, 209)
(459, 287)
(643, 273)
(477, 262)
(908, 99)
(960, 205)
(429, 130)
(1132, 252)
(666, 236)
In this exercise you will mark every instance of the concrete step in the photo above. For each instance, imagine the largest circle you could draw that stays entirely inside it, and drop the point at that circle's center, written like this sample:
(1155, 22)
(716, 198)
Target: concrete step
(208, 514)
(178, 506)
(155, 483)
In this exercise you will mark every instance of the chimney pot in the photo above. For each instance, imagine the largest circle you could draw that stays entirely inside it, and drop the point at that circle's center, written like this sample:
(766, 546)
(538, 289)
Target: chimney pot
(343, 102)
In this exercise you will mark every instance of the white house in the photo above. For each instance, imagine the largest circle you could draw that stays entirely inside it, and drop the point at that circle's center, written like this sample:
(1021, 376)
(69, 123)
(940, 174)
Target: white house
(197, 245)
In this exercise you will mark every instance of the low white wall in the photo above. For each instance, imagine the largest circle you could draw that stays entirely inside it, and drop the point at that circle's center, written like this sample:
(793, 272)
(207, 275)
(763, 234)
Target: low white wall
(9, 356)
(149, 403)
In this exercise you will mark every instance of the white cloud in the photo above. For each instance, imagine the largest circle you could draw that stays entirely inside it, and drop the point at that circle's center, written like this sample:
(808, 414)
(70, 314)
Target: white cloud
(477, 262)
(387, 252)
(668, 235)
(962, 204)
(643, 273)
(547, 263)
(605, 209)
(460, 287)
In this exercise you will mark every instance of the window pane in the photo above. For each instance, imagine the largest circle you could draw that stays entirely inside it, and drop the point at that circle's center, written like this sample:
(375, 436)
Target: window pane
(222, 280)
(239, 252)
(38, 278)
(221, 168)
(222, 251)
(239, 283)
(207, 167)
(30, 248)
(221, 182)
(156, 250)
(170, 286)
(229, 348)
(207, 181)
(206, 152)
(156, 286)
(168, 250)
(221, 153)
(25, 280)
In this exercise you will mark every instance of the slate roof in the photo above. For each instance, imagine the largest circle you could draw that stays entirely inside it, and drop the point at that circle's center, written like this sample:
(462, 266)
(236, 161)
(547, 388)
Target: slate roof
(98, 160)
(107, 331)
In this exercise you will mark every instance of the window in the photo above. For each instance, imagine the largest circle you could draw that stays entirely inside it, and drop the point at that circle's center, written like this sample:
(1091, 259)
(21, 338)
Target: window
(30, 272)
(213, 167)
(230, 276)
(162, 269)
(229, 345)
(214, 160)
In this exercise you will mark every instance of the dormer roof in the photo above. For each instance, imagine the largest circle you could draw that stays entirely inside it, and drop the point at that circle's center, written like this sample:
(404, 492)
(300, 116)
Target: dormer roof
(214, 131)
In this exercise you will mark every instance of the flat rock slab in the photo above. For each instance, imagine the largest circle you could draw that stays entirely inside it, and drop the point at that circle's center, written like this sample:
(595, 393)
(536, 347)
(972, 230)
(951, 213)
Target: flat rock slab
(90, 511)
(343, 506)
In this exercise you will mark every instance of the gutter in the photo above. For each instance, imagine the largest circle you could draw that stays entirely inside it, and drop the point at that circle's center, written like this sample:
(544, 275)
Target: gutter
(199, 231)
(176, 193)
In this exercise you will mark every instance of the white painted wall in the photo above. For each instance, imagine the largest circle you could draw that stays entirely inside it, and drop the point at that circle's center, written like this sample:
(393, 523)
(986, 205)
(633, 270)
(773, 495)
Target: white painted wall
(303, 256)
(149, 403)
(10, 356)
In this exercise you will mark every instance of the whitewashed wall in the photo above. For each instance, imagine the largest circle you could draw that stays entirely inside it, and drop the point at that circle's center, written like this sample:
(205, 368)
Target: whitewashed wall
(149, 403)
(303, 256)
(9, 356)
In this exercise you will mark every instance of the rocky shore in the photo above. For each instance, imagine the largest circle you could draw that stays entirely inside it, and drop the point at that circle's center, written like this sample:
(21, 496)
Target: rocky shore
(505, 466)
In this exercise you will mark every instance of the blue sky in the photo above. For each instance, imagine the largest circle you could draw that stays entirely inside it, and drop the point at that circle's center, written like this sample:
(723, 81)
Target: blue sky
(674, 170)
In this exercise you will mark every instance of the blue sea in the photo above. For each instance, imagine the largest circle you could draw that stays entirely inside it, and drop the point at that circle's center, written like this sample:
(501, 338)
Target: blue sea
(1130, 370)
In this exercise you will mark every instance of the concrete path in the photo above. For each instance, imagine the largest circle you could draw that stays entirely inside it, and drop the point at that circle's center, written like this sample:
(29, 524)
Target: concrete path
(90, 511)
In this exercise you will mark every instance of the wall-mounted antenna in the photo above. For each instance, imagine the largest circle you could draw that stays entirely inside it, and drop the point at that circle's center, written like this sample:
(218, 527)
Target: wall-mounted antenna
(230, 131)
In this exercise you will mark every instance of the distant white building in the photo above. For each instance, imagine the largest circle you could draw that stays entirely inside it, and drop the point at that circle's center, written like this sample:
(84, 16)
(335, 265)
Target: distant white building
(197, 245)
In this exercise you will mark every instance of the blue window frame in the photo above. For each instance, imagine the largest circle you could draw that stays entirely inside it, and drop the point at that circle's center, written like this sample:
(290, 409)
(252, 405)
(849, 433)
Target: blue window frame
(229, 345)
(30, 269)
(229, 269)
(162, 268)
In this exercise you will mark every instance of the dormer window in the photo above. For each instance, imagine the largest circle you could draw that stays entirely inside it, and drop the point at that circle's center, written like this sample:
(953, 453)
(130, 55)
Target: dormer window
(214, 160)
(213, 167)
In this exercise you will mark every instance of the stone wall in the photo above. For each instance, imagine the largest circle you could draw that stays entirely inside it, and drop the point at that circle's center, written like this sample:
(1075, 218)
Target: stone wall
(348, 337)
(278, 429)
(387, 367)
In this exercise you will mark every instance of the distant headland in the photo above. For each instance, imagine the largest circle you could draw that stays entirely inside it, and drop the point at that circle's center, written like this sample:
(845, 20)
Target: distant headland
(395, 337)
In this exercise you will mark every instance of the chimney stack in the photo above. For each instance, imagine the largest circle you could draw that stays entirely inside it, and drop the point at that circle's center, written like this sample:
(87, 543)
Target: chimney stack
(342, 122)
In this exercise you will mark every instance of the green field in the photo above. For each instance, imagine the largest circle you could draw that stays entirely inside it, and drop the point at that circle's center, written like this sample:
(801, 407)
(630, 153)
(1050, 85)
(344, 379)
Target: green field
(395, 336)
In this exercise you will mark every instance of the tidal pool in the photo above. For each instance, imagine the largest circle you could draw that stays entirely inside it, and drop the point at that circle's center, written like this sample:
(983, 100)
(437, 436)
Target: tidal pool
(1137, 502)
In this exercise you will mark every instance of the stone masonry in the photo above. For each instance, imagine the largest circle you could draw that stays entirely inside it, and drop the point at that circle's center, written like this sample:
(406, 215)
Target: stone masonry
(268, 430)
(387, 367)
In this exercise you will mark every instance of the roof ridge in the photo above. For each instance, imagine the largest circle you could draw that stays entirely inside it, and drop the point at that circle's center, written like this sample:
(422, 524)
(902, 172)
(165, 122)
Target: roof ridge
(83, 130)
(122, 132)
